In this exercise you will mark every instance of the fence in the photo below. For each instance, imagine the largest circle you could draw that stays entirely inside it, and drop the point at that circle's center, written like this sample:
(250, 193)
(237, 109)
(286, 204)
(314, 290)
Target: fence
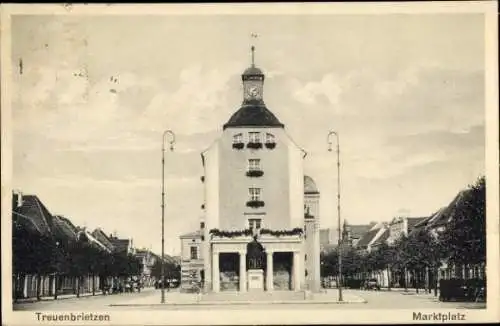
(27, 286)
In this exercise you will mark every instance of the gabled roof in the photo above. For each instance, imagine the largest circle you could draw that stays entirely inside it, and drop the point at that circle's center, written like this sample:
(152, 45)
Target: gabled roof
(84, 234)
(367, 238)
(357, 231)
(121, 245)
(253, 113)
(33, 211)
(100, 235)
(446, 214)
(382, 238)
(425, 221)
(414, 221)
(64, 228)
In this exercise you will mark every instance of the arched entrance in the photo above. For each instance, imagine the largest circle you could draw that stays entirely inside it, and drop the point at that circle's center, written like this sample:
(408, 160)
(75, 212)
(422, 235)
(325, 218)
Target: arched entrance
(256, 265)
(282, 274)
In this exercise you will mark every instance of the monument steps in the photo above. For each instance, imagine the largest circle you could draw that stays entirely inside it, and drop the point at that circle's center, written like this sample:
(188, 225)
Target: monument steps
(254, 296)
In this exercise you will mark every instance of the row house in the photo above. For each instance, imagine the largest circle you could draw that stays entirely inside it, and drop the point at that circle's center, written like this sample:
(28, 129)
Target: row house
(436, 224)
(147, 260)
(31, 216)
(352, 233)
(390, 233)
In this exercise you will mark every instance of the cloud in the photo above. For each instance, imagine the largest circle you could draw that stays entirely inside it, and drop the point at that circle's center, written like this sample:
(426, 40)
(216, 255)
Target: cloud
(411, 118)
(329, 87)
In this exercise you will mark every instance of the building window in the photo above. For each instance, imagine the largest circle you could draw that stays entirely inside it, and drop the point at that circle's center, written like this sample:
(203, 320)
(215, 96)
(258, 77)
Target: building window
(255, 200)
(254, 141)
(254, 137)
(255, 194)
(238, 141)
(194, 252)
(254, 168)
(238, 138)
(254, 223)
(254, 164)
(270, 143)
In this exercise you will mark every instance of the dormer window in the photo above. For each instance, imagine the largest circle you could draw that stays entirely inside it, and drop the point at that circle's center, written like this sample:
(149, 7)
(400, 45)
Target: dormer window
(238, 141)
(254, 137)
(254, 141)
(269, 138)
(238, 138)
(270, 142)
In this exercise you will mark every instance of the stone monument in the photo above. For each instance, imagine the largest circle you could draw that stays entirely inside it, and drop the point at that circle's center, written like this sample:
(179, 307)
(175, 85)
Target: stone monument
(255, 263)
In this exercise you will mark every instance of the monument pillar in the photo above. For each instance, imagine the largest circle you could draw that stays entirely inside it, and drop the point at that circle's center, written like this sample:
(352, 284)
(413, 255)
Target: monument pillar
(269, 272)
(215, 272)
(243, 271)
(296, 270)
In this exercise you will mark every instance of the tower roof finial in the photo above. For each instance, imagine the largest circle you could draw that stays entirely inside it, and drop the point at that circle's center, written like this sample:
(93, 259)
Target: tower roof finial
(253, 55)
(252, 48)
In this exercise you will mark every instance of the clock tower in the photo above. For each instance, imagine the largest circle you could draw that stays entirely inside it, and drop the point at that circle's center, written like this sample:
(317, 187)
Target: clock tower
(253, 82)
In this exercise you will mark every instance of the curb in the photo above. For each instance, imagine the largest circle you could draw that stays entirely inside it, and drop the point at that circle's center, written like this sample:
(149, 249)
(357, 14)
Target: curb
(64, 297)
(45, 299)
(228, 303)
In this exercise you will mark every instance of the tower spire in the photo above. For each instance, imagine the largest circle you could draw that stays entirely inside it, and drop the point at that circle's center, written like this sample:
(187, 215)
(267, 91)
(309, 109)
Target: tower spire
(253, 55)
(252, 48)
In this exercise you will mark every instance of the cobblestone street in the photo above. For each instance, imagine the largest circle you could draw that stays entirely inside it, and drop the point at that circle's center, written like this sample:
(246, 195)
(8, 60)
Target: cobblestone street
(149, 299)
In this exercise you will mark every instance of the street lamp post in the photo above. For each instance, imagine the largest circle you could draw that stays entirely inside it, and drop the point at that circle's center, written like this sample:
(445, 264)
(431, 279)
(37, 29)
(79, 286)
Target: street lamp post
(162, 271)
(338, 207)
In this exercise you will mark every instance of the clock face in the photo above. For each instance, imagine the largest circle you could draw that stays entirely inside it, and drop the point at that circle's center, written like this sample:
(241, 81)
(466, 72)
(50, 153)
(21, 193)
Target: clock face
(253, 91)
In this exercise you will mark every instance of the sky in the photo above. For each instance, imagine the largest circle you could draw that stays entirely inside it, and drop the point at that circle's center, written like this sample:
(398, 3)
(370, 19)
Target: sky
(405, 93)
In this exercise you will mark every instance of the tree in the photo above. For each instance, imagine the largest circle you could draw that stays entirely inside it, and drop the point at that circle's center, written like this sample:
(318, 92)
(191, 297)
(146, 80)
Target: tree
(170, 270)
(401, 258)
(35, 253)
(465, 235)
(387, 256)
(383, 258)
(133, 265)
(428, 254)
(329, 263)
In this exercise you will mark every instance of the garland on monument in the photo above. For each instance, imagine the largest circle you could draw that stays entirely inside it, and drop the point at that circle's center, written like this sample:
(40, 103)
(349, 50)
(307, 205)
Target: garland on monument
(230, 234)
(249, 232)
(279, 233)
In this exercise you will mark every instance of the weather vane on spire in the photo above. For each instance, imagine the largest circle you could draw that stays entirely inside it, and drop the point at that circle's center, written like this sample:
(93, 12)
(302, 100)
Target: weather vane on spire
(254, 36)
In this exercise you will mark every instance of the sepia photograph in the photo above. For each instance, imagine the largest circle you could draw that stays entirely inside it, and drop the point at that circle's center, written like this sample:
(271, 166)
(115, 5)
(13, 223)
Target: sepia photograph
(171, 164)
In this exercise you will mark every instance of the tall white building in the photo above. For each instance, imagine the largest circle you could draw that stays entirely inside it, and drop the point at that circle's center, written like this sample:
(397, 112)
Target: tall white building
(261, 214)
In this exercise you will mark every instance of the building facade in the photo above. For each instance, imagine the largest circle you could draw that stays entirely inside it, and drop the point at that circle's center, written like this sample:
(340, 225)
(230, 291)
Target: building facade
(147, 259)
(261, 214)
(402, 226)
(192, 267)
(352, 234)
